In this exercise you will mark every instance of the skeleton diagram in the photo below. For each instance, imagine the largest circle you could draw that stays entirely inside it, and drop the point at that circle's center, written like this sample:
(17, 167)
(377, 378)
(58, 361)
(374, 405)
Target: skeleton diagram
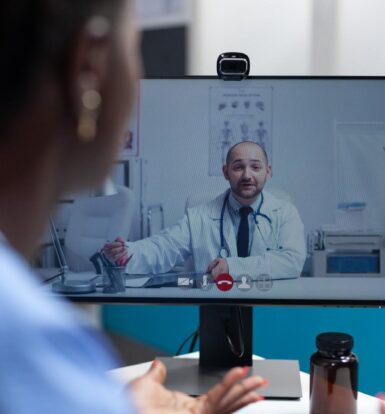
(227, 141)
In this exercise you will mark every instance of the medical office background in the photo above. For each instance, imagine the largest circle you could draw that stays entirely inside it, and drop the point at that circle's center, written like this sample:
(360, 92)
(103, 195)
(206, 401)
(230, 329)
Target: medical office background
(281, 37)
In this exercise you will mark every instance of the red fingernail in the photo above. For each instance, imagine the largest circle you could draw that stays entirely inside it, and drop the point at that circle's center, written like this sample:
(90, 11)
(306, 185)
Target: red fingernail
(264, 382)
(246, 369)
(260, 398)
(154, 363)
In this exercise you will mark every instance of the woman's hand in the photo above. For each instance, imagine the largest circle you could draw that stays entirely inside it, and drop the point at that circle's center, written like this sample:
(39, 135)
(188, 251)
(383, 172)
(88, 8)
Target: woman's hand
(231, 394)
(381, 396)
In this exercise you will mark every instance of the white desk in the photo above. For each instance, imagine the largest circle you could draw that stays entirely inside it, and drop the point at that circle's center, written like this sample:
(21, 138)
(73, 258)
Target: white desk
(366, 403)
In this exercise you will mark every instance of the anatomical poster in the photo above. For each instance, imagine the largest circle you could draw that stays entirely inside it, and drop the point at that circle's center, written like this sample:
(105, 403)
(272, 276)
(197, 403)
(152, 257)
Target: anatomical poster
(236, 115)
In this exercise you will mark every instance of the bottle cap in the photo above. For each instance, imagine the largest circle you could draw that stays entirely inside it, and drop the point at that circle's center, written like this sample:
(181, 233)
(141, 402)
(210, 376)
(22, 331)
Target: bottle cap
(334, 342)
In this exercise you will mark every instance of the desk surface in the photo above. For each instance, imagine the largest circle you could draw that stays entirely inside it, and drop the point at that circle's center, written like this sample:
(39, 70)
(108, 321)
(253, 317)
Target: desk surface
(319, 290)
(366, 403)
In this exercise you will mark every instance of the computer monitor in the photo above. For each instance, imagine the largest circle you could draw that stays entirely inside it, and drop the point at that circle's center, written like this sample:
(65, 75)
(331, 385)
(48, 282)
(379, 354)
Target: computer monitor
(317, 228)
(325, 140)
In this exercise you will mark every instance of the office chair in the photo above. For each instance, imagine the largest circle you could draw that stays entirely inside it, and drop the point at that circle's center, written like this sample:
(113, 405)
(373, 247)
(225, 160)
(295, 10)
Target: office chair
(95, 220)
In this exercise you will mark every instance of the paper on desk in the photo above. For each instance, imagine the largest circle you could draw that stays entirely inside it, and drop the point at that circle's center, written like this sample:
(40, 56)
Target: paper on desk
(136, 281)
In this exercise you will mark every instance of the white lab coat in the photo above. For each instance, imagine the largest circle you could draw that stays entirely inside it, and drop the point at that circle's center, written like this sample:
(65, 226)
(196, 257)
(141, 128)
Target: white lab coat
(197, 234)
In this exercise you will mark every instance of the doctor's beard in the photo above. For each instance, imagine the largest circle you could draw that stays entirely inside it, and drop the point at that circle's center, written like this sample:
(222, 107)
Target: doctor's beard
(251, 192)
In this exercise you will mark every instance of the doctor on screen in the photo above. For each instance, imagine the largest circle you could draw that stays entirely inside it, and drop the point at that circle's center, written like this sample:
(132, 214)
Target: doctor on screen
(245, 230)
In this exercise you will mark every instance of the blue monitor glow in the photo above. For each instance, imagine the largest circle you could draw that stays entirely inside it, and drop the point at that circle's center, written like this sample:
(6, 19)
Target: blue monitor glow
(318, 231)
(325, 141)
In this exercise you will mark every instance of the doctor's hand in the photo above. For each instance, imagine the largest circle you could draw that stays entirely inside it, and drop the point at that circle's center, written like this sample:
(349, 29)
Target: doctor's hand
(117, 251)
(231, 394)
(217, 267)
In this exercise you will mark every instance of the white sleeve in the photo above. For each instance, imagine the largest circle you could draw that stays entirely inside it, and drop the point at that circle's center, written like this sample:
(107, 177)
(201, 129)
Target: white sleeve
(284, 263)
(160, 253)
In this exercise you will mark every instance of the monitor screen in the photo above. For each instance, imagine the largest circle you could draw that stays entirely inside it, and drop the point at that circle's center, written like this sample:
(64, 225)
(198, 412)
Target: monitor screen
(293, 213)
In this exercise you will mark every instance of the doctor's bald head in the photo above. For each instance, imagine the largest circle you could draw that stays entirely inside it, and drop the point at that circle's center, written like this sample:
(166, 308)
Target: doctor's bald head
(247, 169)
(248, 145)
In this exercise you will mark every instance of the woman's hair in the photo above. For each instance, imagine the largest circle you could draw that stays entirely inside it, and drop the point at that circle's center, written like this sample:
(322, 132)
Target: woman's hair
(35, 37)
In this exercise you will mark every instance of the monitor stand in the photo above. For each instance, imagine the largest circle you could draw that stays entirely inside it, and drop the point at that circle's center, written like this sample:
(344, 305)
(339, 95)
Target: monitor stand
(225, 342)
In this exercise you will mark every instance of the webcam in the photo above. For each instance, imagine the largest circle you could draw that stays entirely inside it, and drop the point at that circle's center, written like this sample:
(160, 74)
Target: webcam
(233, 66)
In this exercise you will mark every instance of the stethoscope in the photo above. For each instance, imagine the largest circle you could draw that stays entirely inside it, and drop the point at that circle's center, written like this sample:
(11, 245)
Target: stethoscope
(224, 251)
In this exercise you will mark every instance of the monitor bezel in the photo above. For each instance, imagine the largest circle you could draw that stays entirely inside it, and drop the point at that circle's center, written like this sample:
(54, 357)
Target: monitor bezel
(121, 299)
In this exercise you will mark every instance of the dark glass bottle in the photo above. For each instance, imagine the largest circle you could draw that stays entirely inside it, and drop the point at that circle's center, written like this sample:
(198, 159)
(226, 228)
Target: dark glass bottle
(333, 375)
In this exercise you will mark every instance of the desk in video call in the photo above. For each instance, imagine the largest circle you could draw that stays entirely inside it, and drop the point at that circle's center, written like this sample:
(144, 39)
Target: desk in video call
(306, 290)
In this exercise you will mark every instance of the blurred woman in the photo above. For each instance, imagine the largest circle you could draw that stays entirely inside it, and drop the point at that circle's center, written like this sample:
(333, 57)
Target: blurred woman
(67, 84)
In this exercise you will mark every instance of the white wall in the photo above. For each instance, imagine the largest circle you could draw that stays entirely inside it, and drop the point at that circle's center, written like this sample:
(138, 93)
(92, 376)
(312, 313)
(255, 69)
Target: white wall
(275, 34)
(290, 37)
(324, 37)
(361, 37)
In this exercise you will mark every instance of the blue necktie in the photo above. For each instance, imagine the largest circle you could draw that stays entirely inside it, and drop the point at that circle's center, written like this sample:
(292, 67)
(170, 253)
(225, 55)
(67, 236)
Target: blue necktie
(243, 232)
